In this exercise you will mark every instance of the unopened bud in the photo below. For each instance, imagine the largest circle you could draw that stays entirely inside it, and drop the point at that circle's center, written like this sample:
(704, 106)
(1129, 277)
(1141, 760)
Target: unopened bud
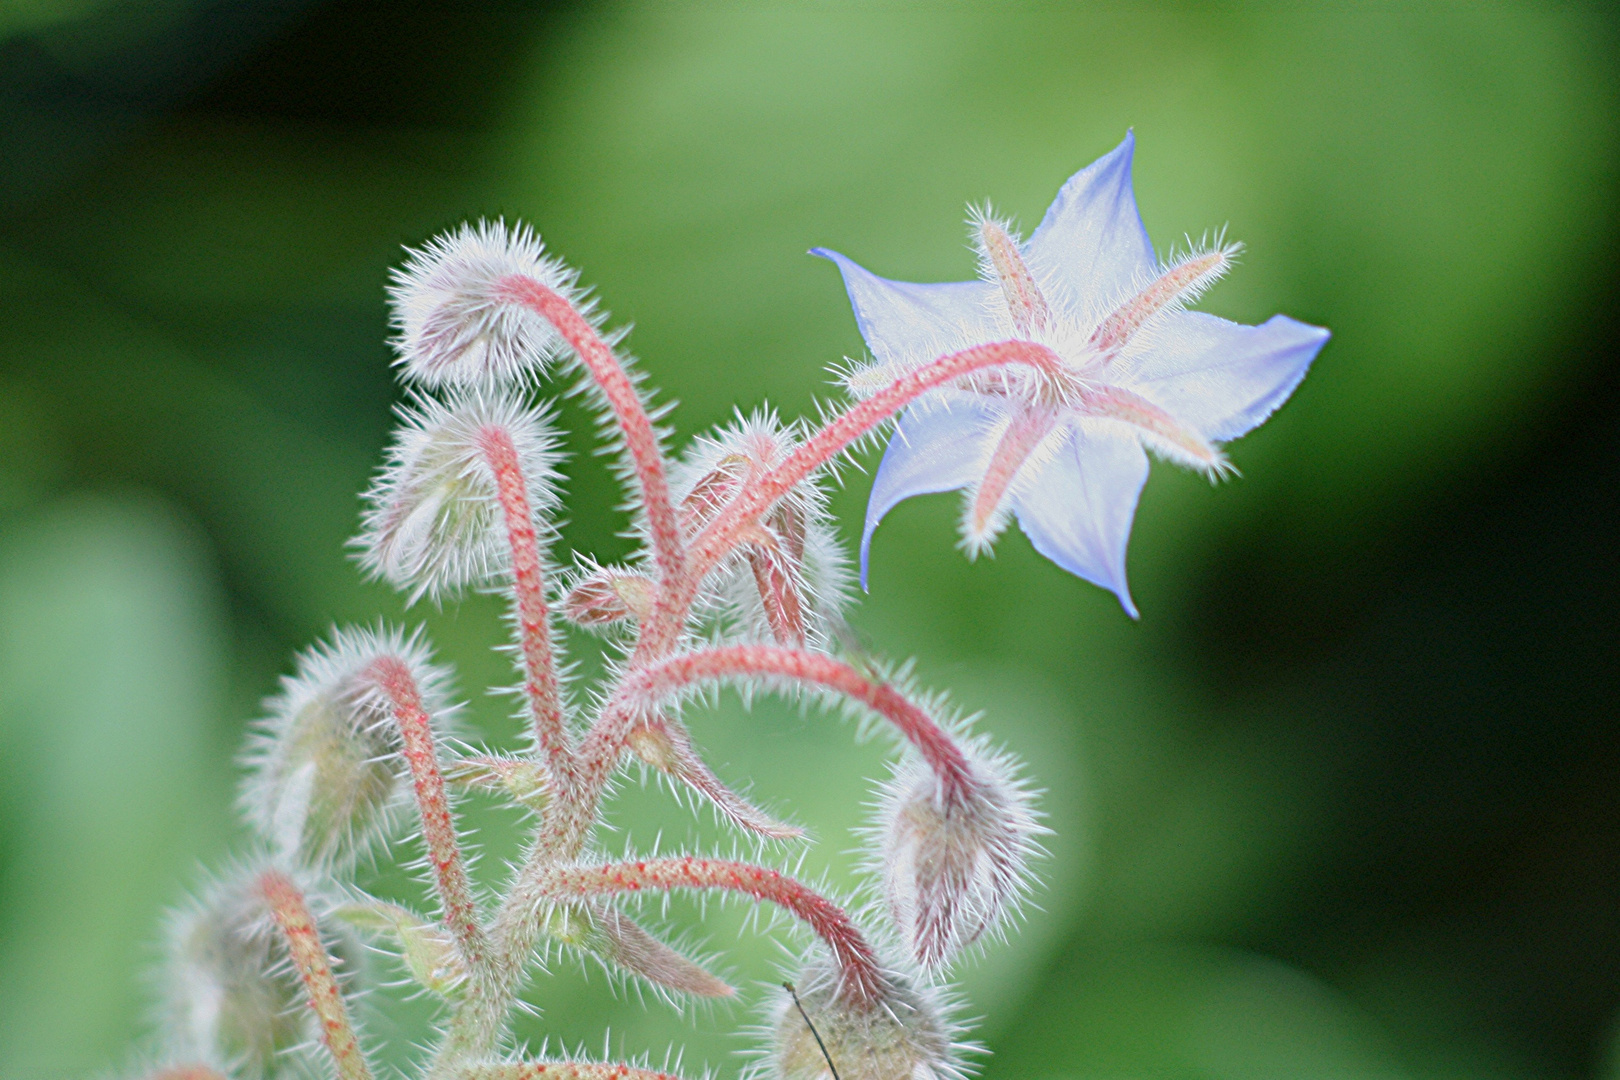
(326, 778)
(820, 1033)
(786, 575)
(460, 323)
(609, 595)
(954, 853)
(232, 998)
(434, 521)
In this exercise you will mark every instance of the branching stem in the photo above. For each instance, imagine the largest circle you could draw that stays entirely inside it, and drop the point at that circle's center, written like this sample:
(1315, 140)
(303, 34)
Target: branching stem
(662, 632)
(656, 682)
(861, 979)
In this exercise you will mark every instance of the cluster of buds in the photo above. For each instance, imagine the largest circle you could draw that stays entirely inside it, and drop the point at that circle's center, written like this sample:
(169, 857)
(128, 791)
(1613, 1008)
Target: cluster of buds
(740, 582)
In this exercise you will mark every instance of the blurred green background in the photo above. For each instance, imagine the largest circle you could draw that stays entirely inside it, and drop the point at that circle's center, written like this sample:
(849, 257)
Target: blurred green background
(1346, 801)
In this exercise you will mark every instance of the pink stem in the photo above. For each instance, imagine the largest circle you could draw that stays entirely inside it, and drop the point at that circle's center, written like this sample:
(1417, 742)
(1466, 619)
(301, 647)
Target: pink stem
(394, 678)
(529, 593)
(639, 438)
(187, 1072)
(558, 1070)
(735, 661)
(309, 957)
(862, 980)
(720, 536)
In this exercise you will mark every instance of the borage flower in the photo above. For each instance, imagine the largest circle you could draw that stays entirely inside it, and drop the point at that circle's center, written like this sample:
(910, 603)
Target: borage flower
(1065, 456)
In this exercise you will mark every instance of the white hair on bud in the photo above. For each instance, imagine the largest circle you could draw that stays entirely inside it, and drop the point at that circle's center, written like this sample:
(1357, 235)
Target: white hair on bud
(954, 866)
(230, 996)
(326, 779)
(908, 1034)
(433, 522)
(799, 536)
(456, 326)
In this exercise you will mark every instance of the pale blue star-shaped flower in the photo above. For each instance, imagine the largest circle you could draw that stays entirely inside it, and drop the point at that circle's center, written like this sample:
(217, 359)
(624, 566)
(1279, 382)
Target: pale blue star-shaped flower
(1066, 456)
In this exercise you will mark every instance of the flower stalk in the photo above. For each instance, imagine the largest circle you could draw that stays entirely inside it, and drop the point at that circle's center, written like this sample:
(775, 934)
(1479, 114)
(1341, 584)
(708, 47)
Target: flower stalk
(395, 680)
(314, 967)
(532, 612)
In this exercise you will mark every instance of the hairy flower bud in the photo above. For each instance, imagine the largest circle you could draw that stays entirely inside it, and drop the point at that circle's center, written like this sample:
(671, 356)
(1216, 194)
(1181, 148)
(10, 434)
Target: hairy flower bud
(819, 1033)
(232, 999)
(459, 323)
(325, 774)
(953, 853)
(607, 595)
(787, 577)
(434, 521)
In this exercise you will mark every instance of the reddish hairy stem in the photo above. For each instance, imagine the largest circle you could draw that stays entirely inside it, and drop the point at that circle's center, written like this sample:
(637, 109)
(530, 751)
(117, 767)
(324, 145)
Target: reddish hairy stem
(639, 437)
(394, 678)
(309, 957)
(529, 598)
(720, 536)
(187, 1072)
(861, 979)
(709, 665)
(558, 1070)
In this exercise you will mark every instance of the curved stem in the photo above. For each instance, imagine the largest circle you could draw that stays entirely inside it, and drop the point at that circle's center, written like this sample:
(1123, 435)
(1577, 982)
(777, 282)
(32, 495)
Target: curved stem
(529, 602)
(936, 746)
(558, 1070)
(663, 630)
(309, 957)
(395, 680)
(861, 979)
(639, 438)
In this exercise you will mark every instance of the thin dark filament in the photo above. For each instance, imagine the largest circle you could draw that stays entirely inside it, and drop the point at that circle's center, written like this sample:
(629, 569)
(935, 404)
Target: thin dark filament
(797, 1004)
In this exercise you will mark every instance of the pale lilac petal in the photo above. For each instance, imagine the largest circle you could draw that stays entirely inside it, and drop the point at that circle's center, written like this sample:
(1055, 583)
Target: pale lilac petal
(938, 445)
(1091, 251)
(1076, 507)
(902, 321)
(1220, 378)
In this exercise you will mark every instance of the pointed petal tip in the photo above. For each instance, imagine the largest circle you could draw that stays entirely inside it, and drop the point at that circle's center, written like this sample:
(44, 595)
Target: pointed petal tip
(1125, 602)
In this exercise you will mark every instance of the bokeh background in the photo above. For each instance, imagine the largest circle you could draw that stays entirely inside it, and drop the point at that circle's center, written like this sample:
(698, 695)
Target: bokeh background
(1344, 803)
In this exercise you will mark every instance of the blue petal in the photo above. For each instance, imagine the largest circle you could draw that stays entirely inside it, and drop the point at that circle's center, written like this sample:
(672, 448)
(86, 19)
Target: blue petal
(939, 445)
(1091, 249)
(1221, 378)
(1076, 508)
(902, 321)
